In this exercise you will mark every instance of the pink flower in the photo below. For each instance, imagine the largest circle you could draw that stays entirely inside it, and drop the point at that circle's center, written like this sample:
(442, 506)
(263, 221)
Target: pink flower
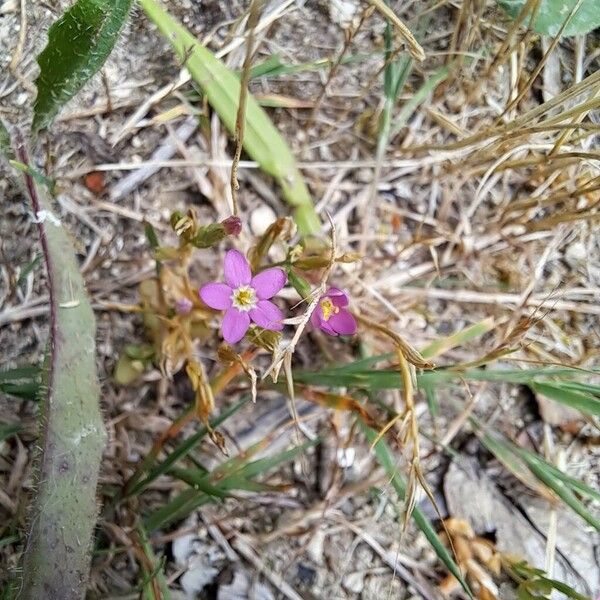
(331, 315)
(245, 298)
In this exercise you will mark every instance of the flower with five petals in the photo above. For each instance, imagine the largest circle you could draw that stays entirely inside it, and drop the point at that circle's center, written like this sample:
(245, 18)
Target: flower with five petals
(245, 298)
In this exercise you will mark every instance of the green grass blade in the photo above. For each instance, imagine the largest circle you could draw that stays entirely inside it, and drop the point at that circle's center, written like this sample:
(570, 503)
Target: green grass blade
(516, 458)
(458, 339)
(266, 464)
(78, 45)
(564, 394)
(384, 456)
(157, 574)
(238, 473)
(418, 98)
(5, 143)
(221, 86)
(183, 449)
(564, 493)
(504, 451)
(28, 268)
(176, 510)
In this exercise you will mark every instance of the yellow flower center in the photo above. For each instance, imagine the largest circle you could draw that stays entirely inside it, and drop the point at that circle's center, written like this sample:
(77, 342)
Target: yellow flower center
(328, 308)
(244, 298)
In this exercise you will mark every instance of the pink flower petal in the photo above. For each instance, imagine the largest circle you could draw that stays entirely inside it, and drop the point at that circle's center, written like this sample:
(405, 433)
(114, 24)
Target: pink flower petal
(267, 316)
(216, 295)
(319, 322)
(237, 269)
(343, 323)
(269, 282)
(337, 297)
(315, 319)
(235, 324)
(326, 327)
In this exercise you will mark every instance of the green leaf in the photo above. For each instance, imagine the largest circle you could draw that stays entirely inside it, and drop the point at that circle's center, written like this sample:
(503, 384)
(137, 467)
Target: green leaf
(459, 338)
(384, 456)
(23, 382)
(221, 86)
(157, 574)
(567, 590)
(28, 268)
(232, 474)
(575, 398)
(78, 45)
(551, 14)
(184, 448)
(56, 558)
(7, 431)
(561, 489)
(5, 144)
(518, 460)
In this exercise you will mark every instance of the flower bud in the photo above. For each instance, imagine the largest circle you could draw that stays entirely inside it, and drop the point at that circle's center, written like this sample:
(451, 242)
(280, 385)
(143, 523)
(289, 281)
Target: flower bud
(232, 225)
(183, 306)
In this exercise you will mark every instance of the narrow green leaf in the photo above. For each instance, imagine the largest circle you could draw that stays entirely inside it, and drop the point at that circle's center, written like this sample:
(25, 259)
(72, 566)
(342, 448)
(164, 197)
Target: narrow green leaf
(216, 484)
(179, 508)
(78, 45)
(551, 14)
(575, 485)
(221, 86)
(185, 448)
(384, 456)
(157, 574)
(23, 382)
(266, 464)
(407, 110)
(28, 268)
(5, 144)
(564, 493)
(574, 398)
(458, 339)
(18, 373)
(567, 590)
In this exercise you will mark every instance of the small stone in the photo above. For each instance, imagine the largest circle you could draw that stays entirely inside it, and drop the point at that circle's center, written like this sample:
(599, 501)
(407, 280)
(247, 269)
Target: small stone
(576, 254)
(315, 547)
(261, 218)
(354, 582)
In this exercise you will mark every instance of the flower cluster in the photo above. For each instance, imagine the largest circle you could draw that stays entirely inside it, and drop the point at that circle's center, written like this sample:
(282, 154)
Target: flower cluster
(246, 298)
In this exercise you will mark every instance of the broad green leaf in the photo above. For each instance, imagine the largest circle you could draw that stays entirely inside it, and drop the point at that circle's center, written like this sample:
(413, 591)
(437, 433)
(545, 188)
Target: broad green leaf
(221, 86)
(384, 456)
(56, 558)
(78, 45)
(551, 14)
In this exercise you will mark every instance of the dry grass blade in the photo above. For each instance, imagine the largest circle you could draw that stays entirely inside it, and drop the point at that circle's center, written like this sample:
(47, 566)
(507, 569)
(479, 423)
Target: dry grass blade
(414, 47)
